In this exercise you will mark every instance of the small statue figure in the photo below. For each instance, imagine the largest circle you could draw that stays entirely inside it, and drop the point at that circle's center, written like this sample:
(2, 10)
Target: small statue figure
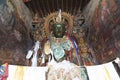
(35, 19)
(86, 55)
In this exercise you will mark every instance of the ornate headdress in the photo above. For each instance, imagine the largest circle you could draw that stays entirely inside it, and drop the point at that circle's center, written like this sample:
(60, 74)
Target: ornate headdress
(58, 17)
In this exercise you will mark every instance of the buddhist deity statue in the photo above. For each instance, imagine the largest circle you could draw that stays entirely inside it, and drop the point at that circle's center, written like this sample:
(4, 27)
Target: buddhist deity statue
(56, 40)
(60, 41)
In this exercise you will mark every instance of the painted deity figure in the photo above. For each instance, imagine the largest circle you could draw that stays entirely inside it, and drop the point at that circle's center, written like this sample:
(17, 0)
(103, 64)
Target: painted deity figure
(87, 57)
(60, 43)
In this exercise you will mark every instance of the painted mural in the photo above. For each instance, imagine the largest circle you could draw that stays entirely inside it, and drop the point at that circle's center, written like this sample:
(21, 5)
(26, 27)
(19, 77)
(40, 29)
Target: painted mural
(105, 28)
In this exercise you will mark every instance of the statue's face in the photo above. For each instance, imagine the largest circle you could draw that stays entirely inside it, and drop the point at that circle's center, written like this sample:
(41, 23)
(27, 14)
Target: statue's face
(59, 30)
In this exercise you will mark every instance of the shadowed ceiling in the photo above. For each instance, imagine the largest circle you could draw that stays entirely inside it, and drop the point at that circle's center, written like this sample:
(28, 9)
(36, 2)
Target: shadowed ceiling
(44, 7)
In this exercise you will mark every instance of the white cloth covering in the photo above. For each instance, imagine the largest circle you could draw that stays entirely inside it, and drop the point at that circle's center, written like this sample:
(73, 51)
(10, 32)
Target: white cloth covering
(65, 70)
(102, 72)
(26, 73)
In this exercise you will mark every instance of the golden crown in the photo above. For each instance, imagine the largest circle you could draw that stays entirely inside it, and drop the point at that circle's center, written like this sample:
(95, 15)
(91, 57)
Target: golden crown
(63, 18)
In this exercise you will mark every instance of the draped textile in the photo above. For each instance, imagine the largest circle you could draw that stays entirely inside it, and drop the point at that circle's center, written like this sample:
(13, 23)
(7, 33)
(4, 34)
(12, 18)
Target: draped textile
(4, 71)
(26, 73)
(64, 70)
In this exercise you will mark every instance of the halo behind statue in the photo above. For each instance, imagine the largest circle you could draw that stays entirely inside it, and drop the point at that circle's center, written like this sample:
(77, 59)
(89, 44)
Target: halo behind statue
(55, 17)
